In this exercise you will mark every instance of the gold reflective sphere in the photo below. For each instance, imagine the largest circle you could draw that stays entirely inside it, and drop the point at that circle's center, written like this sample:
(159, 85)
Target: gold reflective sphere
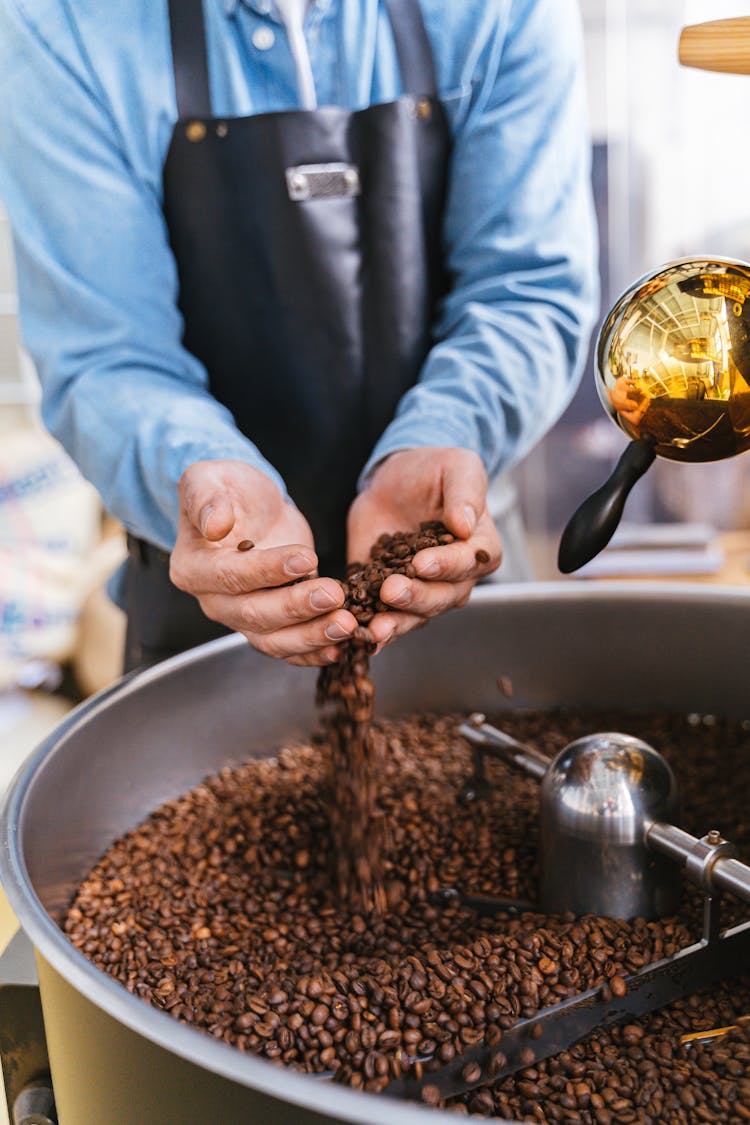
(673, 359)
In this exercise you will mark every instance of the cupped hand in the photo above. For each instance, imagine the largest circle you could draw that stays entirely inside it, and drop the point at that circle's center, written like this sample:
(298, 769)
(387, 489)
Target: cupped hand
(267, 592)
(405, 489)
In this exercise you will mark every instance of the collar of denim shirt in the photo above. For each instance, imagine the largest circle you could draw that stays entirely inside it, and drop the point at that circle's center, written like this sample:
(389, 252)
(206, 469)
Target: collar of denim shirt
(269, 9)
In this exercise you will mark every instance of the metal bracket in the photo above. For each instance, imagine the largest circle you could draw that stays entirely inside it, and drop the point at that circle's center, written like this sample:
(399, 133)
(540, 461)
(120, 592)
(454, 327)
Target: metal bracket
(23, 1048)
(552, 1030)
(322, 181)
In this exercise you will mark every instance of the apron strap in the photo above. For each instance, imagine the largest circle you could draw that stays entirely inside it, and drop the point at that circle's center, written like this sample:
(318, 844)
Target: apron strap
(412, 47)
(190, 60)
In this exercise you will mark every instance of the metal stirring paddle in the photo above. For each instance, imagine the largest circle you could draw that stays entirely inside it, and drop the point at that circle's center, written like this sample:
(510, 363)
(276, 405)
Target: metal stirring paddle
(605, 850)
(608, 844)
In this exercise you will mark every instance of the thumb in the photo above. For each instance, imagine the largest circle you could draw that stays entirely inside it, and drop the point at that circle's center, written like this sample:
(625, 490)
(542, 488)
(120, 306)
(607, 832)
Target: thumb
(207, 506)
(464, 495)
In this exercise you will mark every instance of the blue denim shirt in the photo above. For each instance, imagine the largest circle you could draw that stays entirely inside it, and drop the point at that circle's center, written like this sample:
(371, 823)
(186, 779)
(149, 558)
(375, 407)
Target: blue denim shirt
(87, 107)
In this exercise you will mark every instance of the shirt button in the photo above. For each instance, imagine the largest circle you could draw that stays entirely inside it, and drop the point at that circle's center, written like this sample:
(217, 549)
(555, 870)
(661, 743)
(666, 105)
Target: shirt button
(263, 38)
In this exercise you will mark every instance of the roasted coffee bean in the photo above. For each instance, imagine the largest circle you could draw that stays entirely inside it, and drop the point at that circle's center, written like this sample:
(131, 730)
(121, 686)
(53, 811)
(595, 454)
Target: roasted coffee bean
(245, 545)
(203, 912)
(618, 986)
(471, 1072)
(430, 1095)
(482, 556)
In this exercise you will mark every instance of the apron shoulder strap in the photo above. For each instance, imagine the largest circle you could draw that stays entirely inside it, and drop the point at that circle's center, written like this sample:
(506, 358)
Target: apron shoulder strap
(412, 47)
(189, 58)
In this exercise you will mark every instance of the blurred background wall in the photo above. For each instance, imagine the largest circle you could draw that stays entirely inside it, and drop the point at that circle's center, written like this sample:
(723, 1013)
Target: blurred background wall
(671, 176)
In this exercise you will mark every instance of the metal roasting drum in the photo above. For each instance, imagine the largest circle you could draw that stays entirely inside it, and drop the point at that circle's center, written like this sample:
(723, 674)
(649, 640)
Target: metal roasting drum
(117, 1061)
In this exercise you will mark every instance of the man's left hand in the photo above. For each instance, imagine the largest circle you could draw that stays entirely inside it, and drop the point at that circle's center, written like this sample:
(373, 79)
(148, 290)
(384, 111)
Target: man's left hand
(405, 489)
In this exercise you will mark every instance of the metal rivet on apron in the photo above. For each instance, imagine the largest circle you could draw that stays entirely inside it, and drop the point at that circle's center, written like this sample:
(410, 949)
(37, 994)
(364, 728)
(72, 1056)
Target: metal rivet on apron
(222, 129)
(424, 109)
(195, 131)
(263, 38)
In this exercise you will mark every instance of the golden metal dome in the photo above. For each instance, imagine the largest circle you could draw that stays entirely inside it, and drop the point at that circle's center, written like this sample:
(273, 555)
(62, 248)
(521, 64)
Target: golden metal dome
(673, 359)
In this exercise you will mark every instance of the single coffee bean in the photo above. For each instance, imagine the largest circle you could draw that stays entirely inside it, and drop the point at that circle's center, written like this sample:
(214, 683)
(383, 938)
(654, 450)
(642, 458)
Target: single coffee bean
(618, 986)
(430, 1095)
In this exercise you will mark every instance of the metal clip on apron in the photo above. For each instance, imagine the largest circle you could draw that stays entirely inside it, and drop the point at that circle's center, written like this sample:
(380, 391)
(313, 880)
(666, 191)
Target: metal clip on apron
(309, 254)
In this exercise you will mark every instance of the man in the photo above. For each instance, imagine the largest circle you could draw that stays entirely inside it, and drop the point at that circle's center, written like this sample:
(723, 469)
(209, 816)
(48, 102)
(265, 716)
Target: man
(293, 275)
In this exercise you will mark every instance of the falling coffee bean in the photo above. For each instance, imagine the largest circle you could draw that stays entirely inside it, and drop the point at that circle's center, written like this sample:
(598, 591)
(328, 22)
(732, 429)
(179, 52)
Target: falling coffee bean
(358, 832)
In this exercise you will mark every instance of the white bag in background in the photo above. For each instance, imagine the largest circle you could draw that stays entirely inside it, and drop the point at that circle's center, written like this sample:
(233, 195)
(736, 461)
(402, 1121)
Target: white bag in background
(50, 520)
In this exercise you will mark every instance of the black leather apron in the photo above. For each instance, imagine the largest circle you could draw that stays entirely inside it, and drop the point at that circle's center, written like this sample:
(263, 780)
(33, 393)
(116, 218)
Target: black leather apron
(309, 254)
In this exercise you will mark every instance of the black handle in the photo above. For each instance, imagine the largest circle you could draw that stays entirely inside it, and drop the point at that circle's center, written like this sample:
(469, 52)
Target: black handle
(592, 526)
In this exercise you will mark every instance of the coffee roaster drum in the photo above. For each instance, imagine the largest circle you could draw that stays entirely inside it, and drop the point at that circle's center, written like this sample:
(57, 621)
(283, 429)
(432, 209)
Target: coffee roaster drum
(117, 1061)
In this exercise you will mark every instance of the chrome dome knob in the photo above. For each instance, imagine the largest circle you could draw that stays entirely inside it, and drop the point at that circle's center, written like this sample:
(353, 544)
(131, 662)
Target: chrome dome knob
(598, 797)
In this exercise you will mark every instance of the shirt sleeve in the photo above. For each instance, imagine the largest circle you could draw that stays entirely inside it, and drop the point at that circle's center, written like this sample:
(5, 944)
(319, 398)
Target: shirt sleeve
(98, 289)
(520, 242)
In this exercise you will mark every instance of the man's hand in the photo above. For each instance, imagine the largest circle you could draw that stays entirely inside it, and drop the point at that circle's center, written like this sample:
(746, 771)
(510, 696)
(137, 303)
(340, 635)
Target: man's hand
(226, 503)
(405, 489)
(628, 400)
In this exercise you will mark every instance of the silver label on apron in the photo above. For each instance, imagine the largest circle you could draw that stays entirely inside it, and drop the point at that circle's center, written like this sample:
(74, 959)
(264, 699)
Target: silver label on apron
(322, 181)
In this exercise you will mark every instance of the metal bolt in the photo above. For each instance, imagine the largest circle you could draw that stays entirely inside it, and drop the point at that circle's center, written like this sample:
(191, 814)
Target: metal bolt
(35, 1104)
(713, 837)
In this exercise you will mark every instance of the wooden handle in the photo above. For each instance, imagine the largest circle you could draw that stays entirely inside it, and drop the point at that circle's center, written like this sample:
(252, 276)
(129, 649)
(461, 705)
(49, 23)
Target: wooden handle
(717, 45)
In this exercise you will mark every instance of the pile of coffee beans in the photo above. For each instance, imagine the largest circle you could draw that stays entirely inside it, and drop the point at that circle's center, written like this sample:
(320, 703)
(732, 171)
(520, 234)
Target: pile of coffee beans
(221, 910)
(640, 1072)
(355, 751)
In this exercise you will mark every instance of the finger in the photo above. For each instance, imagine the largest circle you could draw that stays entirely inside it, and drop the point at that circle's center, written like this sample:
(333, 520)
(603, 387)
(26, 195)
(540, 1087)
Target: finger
(386, 627)
(461, 560)
(227, 571)
(207, 506)
(464, 493)
(426, 599)
(294, 640)
(269, 610)
(318, 659)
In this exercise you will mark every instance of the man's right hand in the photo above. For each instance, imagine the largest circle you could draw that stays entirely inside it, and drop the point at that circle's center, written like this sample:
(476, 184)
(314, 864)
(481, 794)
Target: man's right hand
(222, 504)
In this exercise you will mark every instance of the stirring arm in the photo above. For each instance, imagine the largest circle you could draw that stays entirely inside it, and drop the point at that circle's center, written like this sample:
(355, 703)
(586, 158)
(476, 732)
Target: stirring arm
(500, 745)
(709, 862)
